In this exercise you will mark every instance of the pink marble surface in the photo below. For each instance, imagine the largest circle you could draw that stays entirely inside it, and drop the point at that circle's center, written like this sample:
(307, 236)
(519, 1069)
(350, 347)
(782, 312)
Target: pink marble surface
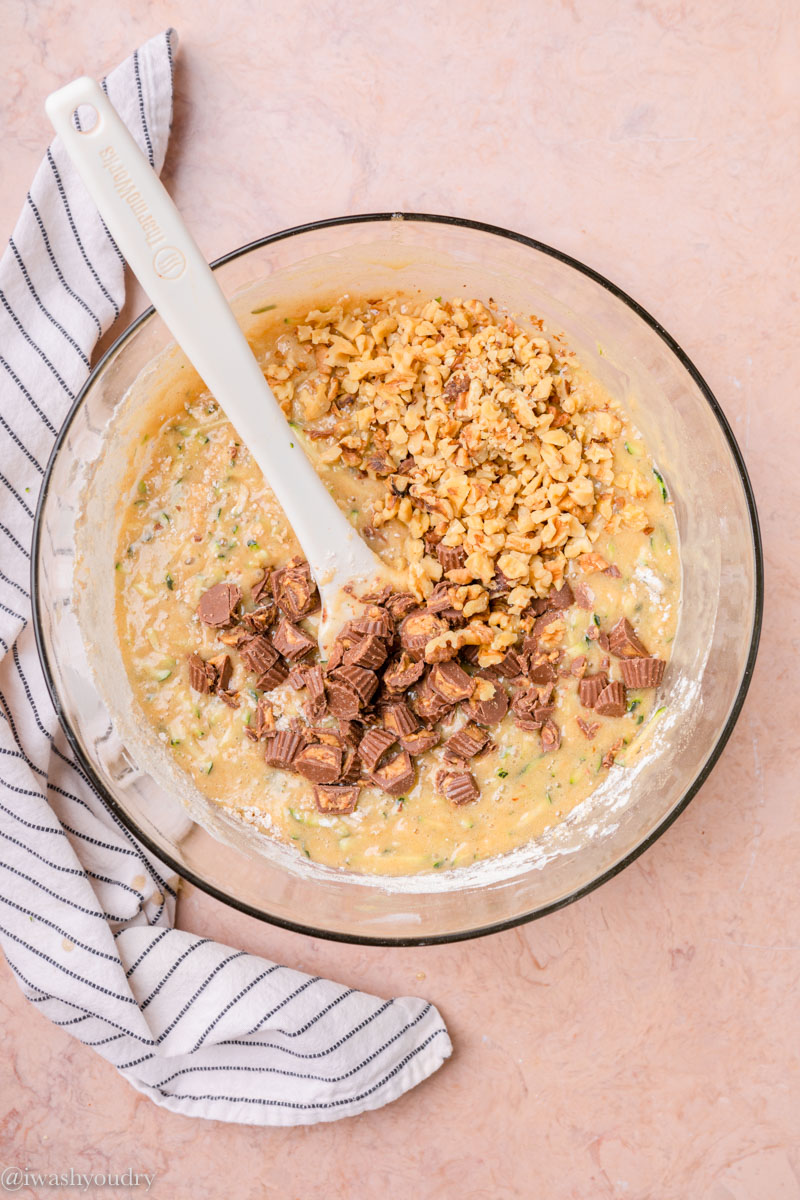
(643, 1043)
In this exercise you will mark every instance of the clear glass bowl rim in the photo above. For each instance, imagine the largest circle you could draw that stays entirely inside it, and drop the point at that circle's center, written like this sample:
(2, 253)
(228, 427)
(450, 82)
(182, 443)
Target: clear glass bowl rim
(725, 732)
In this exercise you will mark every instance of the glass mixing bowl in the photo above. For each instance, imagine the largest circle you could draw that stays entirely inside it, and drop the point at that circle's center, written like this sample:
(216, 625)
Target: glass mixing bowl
(714, 650)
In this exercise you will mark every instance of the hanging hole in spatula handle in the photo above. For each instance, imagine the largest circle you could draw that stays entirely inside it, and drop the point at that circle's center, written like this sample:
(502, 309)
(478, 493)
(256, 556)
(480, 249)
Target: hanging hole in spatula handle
(85, 118)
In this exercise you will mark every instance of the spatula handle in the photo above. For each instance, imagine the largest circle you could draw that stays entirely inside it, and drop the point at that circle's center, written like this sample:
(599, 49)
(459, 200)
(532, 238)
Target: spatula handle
(154, 240)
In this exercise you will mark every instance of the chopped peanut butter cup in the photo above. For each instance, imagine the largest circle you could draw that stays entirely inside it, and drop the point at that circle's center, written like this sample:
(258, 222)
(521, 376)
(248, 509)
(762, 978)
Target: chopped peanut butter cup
(610, 758)
(587, 728)
(378, 597)
(528, 723)
(402, 672)
(510, 667)
(542, 670)
(369, 651)
(376, 621)
(611, 701)
(351, 766)
(551, 736)
(420, 741)
(451, 682)
(274, 677)
(336, 798)
(400, 605)
(460, 788)
(319, 762)
(499, 585)
(374, 745)
(457, 384)
(261, 587)
(642, 672)
(429, 705)
(235, 637)
(218, 605)
(349, 731)
(223, 668)
(314, 681)
(363, 682)
(315, 686)
(488, 710)
(452, 558)
(295, 591)
(537, 607)
(441, 598)
(343, 700)
(419, 628)
(395, 776)
(212, 675)
(561, 598)
(577, 667)
(201, 674)
(524, 699)
(262, 723)
(512, 664)
(329, 736)
(492, 672)
(337, 653)
(257, 620)
(283, 749)
(465, 744)
(290, 641)
(258, 654)
(584, 596)
(398, 718)
(590, 687)
(623, 642)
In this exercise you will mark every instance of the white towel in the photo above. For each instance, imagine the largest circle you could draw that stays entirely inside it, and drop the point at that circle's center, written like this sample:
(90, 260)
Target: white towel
(201, 1028)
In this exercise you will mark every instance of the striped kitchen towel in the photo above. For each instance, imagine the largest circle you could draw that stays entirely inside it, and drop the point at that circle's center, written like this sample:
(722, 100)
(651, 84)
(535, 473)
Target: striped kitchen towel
(86, 913)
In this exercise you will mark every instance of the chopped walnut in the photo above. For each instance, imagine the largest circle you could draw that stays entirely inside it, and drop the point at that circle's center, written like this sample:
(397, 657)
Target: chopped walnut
(484, 439)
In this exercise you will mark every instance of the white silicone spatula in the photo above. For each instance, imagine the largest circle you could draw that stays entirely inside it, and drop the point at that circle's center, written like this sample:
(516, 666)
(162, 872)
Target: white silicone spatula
(152, 237)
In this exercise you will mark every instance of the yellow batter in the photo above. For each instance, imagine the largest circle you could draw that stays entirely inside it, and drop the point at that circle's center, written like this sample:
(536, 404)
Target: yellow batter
(195, 511)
